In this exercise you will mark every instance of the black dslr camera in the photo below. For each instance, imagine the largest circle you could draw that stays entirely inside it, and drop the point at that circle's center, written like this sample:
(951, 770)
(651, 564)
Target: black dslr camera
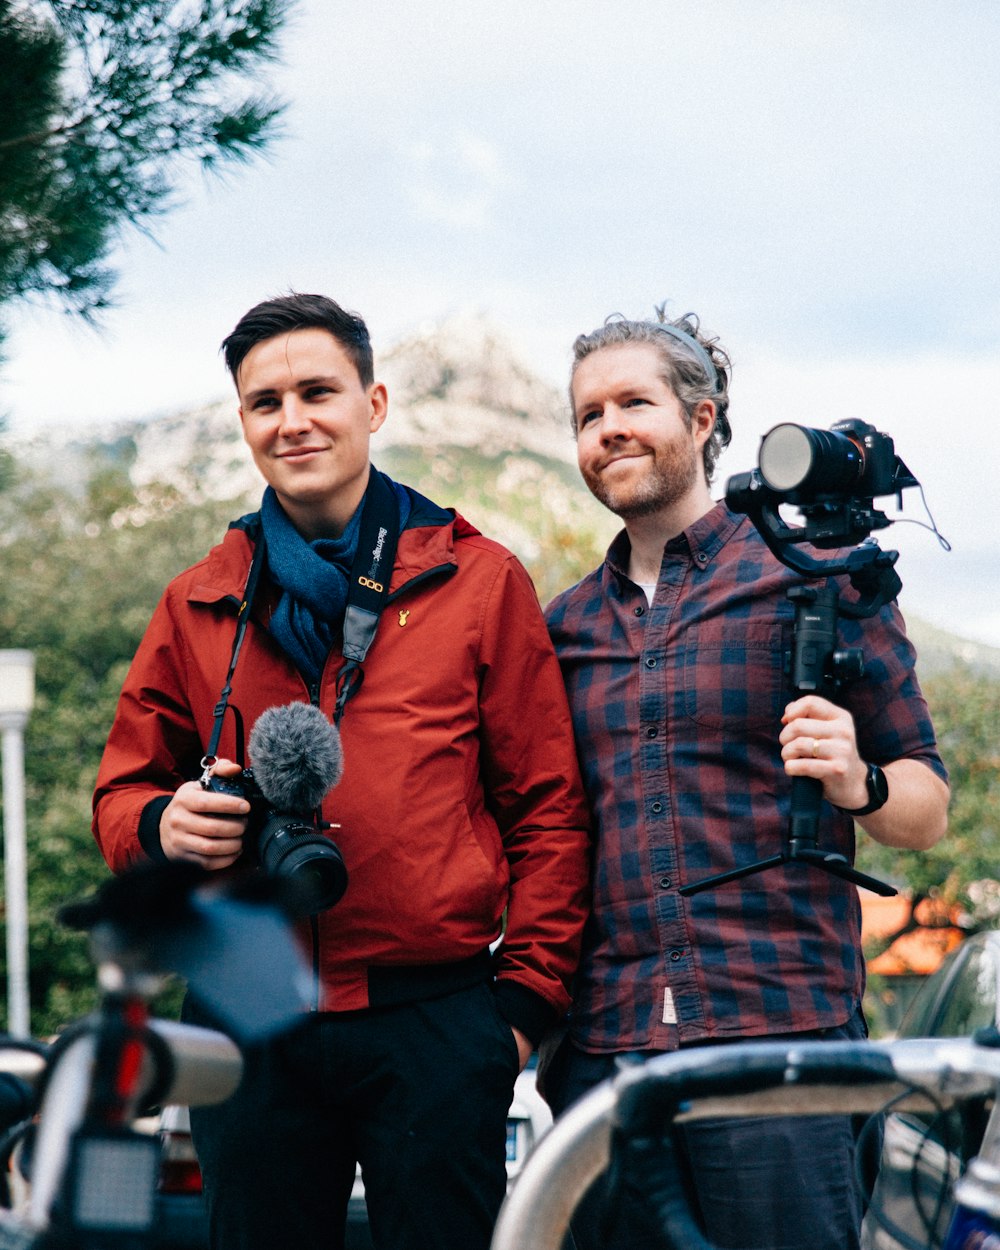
(289, 847)
(850, 459)
(832, 476)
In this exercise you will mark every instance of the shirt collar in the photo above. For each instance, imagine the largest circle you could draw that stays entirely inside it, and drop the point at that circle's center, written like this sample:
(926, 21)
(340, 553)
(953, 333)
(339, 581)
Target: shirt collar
(702, 540)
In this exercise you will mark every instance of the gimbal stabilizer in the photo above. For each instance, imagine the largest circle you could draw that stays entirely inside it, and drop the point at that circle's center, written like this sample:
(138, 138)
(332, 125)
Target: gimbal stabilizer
(798, 462)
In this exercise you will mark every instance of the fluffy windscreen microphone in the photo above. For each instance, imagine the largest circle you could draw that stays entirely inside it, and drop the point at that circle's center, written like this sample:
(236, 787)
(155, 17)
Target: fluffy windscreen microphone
(296, 756)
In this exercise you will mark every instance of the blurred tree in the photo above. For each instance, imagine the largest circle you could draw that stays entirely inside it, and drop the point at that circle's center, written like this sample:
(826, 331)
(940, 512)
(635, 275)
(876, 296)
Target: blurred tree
(99, 100)
(536, 507)
(963, 869)
(108, 553)
(957, 882)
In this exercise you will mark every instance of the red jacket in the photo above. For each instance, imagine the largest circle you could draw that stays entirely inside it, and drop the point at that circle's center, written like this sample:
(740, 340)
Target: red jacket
(460, 796)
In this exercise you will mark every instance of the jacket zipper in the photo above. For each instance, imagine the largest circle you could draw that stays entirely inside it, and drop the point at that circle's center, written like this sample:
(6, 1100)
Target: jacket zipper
(314, 699)
(314, 920)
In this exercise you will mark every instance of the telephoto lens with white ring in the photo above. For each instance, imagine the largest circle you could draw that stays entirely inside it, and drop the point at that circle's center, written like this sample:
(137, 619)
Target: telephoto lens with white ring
(794, 458)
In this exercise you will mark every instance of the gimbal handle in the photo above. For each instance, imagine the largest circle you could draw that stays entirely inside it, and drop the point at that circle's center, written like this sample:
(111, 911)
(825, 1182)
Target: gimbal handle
(817, 668)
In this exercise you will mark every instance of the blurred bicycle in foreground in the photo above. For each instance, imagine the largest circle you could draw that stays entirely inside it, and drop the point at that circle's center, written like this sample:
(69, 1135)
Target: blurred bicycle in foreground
(623, 1128)
(72, 1106)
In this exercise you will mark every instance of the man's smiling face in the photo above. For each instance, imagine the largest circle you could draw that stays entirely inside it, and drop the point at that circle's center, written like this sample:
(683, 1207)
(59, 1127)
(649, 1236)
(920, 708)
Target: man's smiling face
(308, 421)
(638, 450)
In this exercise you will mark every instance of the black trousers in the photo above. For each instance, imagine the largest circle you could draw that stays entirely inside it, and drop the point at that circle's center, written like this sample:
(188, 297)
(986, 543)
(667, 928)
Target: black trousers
(757, 1183)
(417, 1093)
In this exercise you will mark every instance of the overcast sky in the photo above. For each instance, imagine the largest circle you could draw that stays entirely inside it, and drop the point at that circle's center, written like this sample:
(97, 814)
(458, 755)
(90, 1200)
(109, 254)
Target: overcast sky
(820, 182)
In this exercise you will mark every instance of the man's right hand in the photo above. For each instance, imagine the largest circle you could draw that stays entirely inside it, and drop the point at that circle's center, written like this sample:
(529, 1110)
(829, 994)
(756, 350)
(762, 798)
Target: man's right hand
(203, 827)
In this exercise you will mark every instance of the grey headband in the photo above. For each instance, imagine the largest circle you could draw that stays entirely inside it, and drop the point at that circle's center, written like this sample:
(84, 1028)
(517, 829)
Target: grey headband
(692, 344)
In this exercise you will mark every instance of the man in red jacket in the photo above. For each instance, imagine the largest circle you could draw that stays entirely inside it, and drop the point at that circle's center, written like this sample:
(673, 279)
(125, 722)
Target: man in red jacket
(460, 803)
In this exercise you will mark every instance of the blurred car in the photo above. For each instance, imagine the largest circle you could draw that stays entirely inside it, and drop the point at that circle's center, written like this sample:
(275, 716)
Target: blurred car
(923, 1153)
(528, 1118)
(181, 1217)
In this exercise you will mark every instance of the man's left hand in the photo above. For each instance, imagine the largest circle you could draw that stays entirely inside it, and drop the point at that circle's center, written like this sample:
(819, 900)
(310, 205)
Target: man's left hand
(524, 1047)
(818, 740)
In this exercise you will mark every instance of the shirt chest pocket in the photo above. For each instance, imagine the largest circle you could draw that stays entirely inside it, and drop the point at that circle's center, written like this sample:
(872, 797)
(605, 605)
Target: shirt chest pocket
(735, 675)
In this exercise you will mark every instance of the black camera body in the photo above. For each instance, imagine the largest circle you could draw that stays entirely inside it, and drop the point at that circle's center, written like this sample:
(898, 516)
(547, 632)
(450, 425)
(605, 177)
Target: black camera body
(832, 476)
(289, 847)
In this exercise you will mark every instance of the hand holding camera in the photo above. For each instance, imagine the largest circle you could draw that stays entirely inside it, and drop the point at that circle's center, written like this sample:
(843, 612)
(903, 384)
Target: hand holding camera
(297, 759)
(205, 827)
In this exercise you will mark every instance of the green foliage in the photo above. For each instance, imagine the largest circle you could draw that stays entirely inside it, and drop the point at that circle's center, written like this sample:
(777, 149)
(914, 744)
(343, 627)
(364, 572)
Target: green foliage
(82, 609)
(963, 867)
(538, 508)
(99, 102)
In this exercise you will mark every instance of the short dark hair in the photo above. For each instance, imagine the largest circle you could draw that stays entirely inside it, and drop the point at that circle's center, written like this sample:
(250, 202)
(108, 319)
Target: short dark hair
(300, 312)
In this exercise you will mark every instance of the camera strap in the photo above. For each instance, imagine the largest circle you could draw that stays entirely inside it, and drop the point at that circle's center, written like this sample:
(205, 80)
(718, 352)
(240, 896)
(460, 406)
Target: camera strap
(367, 592)
(368, 589)
(242, 620)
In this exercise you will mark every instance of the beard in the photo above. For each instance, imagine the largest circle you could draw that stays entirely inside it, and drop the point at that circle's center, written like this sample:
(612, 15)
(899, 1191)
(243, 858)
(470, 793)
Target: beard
(666, 477)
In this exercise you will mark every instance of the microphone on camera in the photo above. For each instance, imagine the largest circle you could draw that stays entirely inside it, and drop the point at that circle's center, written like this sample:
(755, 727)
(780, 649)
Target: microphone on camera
(296, 756)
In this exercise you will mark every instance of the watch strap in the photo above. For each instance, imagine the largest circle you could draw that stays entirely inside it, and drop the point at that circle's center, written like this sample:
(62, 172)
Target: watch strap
(878, 793)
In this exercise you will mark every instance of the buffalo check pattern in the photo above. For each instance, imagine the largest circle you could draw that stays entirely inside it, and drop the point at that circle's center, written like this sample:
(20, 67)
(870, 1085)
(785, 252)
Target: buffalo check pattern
(677, 711)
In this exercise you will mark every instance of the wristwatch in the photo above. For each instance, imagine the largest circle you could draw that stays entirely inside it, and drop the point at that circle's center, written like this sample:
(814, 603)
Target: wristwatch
(878, 793)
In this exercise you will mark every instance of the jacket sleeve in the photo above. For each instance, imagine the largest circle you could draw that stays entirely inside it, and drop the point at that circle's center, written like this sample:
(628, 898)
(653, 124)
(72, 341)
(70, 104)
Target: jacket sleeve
(533, 788)
(152, 749)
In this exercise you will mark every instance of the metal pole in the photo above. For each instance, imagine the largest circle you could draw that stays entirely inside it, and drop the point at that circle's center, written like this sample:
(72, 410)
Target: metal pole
(17, 694)
(15, 875)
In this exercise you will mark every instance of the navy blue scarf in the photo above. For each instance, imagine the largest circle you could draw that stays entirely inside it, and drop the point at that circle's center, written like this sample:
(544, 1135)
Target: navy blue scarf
(314, 578)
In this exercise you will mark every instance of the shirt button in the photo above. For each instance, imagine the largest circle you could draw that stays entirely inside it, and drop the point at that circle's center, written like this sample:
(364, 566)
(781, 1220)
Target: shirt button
(639, 610)
(675, 955)
(656, 807)
(651, 731)
(701, 559)
(651, 663)
(664, 883)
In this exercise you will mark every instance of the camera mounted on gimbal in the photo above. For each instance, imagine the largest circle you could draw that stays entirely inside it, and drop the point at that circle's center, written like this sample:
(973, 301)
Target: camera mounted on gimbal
(833, 477)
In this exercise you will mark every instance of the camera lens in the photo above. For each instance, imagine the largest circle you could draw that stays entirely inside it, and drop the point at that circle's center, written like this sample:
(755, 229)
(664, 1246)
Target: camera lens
(795, 458)
(316, 871)
(786, 456)
(310, 864)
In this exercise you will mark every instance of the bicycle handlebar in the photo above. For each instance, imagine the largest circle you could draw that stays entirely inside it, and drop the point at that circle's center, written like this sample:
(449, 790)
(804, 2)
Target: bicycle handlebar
(751, 1078)
(207, 1064)
(233, 945)
(206, 1067)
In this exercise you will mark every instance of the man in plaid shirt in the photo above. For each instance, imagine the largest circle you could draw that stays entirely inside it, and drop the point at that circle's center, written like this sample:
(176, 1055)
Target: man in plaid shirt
(673, 653)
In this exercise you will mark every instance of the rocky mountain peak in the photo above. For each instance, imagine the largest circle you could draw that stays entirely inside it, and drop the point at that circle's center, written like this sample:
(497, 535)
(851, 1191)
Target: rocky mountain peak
(467, 360)
(458, 384)
(461, 384)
